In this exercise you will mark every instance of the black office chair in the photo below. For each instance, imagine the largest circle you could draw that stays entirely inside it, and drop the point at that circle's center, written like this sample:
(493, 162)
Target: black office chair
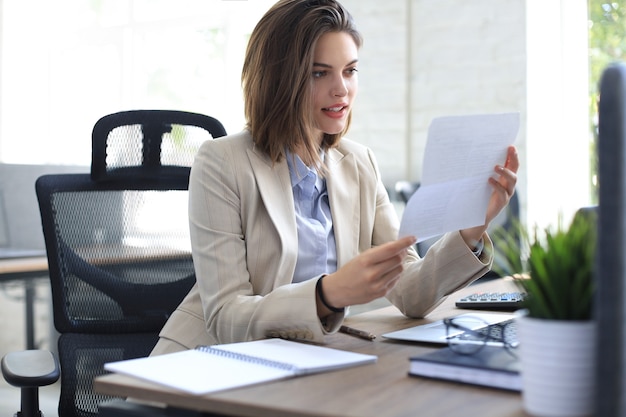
(506, 223)
(118, 246)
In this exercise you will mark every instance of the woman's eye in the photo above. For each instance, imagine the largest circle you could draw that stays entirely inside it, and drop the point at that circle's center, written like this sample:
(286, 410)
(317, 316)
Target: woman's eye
(318, 74)
(352, 71)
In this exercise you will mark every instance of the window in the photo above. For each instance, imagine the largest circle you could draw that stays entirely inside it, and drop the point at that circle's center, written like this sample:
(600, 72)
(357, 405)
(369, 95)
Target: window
(73, 61)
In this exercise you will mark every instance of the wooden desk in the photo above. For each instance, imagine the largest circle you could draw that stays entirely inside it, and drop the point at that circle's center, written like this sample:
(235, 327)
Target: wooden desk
(25, 270)
(20, 268)
(381, 389)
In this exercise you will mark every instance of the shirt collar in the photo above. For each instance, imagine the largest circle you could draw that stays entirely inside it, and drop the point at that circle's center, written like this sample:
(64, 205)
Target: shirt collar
(298, 171)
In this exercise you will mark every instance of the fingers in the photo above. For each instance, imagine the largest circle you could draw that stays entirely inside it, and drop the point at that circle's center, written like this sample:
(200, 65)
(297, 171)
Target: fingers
(383, 281)
(506, 182)
(511, 165)
(391, 249)
(383, 264)
(386, 263)
(370, 275)
(386, 260)
(503, 185)
(512, 159)
(508, 173)
(391, 278)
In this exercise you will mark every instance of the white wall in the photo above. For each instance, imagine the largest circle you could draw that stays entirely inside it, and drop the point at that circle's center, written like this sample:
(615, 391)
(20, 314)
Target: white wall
(427, 58)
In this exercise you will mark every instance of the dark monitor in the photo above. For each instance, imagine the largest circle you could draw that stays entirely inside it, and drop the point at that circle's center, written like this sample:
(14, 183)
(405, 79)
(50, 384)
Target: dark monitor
(611, 255)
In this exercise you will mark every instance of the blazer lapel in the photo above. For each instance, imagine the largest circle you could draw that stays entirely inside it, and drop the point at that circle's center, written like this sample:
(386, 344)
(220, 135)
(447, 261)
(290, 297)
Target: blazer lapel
(343, 184)
(342, 181)
(275, 188)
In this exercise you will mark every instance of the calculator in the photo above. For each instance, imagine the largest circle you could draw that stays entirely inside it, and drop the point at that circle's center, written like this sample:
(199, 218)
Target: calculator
(492, 301)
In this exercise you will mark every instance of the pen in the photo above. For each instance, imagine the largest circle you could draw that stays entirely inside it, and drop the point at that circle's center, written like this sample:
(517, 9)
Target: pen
(358, 333)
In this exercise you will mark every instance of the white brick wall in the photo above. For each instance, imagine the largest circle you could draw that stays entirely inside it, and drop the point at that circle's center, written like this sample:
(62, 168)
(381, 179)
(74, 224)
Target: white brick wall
(427, 58)
(380, 114)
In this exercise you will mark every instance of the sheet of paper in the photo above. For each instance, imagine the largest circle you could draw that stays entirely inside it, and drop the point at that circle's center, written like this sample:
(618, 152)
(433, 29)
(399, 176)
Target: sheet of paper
(461, 153)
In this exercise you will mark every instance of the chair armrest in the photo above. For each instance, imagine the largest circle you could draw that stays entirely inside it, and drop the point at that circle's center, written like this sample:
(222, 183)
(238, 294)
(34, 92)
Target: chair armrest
(30, 368)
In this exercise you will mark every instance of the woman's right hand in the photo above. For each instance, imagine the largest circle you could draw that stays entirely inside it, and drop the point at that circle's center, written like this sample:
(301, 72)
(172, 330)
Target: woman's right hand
(368, 276)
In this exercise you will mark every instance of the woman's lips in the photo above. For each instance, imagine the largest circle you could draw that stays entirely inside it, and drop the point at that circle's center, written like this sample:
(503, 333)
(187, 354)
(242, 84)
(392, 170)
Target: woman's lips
(336, 112)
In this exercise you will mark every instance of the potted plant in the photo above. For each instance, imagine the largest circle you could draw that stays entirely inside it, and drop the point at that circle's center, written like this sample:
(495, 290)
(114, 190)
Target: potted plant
(554, 267)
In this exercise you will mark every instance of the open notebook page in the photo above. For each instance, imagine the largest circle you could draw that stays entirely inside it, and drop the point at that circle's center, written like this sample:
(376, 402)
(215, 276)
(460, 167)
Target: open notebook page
(227, 366)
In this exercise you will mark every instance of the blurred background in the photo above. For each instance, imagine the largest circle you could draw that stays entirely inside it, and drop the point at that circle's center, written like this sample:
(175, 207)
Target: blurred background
(64, 64)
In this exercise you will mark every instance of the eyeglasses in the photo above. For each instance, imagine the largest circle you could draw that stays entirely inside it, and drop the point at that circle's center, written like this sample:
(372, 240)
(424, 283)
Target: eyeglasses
(467, 335)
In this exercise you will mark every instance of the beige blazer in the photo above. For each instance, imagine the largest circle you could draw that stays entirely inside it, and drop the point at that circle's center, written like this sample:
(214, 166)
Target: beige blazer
(245, 244)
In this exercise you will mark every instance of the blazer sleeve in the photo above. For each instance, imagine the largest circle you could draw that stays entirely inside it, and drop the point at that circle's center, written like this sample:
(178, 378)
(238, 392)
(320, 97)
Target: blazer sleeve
(448, 266)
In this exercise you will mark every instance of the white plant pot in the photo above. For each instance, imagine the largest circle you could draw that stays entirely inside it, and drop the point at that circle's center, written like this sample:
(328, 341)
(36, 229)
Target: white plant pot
(557, 363)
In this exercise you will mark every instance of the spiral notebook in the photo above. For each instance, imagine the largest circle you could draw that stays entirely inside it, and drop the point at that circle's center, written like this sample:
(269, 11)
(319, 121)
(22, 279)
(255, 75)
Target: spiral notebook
(220, 367)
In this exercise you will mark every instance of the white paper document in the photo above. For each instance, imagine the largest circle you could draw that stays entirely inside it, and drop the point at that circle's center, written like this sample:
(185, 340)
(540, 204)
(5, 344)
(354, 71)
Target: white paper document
(460, 156)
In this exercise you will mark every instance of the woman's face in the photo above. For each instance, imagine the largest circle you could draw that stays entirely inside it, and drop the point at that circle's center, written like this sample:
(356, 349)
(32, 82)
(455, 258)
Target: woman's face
(335, 81)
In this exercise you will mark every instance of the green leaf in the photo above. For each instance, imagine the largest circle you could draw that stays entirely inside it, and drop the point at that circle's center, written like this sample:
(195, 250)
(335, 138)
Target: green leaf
(559, 262)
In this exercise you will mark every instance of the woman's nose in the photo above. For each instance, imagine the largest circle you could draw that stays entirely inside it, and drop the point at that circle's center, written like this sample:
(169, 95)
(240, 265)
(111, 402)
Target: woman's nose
(339, 88)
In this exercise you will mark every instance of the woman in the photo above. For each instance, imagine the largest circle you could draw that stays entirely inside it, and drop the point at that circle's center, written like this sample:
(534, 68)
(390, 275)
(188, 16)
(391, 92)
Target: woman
(290, 222)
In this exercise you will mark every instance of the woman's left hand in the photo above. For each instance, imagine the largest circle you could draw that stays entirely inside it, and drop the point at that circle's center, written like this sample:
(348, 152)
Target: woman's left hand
(503, 189)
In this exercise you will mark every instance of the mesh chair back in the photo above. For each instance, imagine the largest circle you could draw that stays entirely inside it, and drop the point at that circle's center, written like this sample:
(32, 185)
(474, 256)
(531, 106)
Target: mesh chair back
(120, 262)
(82, 357)
(116, 255)
(148, 143)
(119, 254)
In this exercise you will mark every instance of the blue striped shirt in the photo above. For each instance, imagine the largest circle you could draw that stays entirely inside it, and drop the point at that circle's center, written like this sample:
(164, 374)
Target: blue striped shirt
(317, 252)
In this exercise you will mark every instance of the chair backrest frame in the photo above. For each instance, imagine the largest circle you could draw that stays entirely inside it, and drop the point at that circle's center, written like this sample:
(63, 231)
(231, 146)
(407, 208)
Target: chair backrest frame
(152, 127)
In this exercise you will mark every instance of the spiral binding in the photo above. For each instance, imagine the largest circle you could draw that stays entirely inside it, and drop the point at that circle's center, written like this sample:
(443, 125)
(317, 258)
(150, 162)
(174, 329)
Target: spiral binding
(248, 358)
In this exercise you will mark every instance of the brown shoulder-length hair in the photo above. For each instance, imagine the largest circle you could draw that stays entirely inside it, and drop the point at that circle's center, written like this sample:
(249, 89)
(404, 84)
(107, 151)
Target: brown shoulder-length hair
(277, 75)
